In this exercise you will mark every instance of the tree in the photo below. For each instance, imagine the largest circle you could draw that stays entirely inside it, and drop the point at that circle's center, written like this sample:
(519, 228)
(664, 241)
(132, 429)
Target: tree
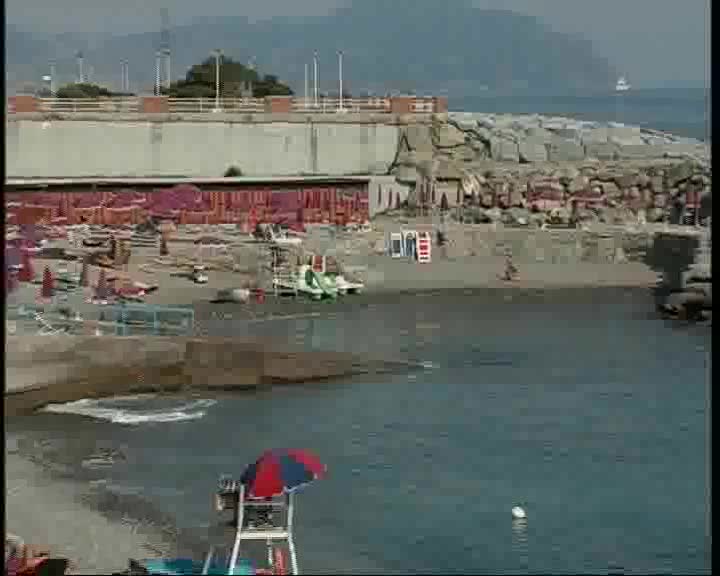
(199, 81)
(232, 172)
(83, 91)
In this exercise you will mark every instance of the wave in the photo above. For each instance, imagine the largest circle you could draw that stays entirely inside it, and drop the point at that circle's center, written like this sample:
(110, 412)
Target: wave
(132, 410)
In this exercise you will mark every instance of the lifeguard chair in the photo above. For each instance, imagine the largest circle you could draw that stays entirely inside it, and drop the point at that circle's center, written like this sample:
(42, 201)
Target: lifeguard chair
(256, 519)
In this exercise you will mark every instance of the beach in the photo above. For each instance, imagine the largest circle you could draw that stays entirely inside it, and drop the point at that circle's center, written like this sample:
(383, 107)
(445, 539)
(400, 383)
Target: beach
(47, 511)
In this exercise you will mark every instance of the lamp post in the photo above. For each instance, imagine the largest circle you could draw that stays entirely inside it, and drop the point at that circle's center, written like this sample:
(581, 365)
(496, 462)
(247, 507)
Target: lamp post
(217, 53)
(340, 75)
(52, 79)
(157, 73)
(306, 85)
(315, 78)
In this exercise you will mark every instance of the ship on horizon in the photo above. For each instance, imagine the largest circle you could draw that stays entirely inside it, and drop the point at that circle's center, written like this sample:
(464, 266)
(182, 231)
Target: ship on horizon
(622, 85)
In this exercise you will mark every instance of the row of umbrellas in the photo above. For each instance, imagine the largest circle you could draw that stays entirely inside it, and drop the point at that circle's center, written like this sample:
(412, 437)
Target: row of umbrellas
(26, 273)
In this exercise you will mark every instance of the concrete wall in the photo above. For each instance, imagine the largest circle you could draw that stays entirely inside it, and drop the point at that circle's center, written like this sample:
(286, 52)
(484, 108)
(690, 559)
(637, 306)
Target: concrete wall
(45, 147)
(57, 369)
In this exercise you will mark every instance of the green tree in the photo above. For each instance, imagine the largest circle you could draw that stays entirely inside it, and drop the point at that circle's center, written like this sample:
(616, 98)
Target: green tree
(199, 81)
(83, 91)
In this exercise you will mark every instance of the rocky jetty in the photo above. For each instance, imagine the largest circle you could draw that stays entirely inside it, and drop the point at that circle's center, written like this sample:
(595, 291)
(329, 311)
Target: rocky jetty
(557, 165)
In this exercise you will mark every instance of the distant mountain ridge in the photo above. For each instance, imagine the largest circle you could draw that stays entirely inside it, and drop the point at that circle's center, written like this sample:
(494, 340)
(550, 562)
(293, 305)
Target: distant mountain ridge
(421, 46)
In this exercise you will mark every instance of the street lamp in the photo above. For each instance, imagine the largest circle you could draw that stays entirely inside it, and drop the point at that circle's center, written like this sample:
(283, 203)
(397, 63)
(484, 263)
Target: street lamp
(315, 78)
(340, 74)
(157, 73)
(217, 53)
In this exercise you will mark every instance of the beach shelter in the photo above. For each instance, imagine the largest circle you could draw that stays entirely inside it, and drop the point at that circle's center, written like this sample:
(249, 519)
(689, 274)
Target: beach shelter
(47, 289)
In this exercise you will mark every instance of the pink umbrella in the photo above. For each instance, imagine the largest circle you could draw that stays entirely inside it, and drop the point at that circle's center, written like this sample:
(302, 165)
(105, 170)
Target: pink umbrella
(47, 289)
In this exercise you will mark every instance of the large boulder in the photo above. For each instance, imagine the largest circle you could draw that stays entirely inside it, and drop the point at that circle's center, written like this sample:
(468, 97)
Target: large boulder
(625, 135)
(446, 135)
(601, 150)
(406, 174)
(595, 136)
(464, 153)
(679, 173)
(418, 137)
(532, 149)
(561, 150)
(447, 169)
(578, 184)
(640, 152)
(504, 150)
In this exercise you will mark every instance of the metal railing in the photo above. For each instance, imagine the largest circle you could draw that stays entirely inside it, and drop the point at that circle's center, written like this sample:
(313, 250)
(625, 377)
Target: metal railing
(419, 105)
(423, 106)
(79, 105)
(333, 105)
(227, 105)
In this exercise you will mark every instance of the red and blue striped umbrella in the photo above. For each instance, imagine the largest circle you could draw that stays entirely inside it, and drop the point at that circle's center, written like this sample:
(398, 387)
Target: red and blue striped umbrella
(281, 471)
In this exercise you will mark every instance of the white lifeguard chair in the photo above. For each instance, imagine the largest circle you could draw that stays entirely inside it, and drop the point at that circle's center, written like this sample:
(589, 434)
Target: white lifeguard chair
(269, 520)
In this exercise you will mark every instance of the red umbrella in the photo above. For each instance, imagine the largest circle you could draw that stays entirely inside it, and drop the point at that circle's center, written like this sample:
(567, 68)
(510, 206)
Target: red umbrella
(281, 471)
(101, 291)
(84, 274)
(11, 282)
(47, 289)
(27, 272)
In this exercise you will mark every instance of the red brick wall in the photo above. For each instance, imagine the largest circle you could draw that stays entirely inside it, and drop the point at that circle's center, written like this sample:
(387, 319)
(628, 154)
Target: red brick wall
(154, 104)
(401, 104)
(278, 104)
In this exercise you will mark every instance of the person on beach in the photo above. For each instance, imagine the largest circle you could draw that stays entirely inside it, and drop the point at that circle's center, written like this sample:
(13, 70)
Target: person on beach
(511, 270)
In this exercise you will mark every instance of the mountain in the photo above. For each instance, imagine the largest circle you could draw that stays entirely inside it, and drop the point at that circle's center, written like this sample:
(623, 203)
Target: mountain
(423, 46)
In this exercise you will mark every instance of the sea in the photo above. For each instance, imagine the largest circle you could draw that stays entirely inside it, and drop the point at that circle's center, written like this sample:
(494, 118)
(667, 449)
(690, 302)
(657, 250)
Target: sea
(680, 111)
(581, 406)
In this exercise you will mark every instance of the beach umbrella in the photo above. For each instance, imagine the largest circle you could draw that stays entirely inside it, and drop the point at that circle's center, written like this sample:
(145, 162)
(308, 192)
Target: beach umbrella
(84, 274)
(11, 280)
(47, 284)
(101, 291)
(27, 271)
(280, 472)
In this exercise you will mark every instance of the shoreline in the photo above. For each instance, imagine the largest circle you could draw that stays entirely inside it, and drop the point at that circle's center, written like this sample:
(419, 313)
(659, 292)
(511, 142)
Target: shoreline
(90, 538)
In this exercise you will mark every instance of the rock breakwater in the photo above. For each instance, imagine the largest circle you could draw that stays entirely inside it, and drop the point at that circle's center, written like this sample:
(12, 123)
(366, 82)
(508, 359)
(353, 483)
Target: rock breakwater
(610, 172)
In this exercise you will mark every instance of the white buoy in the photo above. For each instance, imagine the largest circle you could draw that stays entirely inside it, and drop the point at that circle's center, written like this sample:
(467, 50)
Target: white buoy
(518, 513)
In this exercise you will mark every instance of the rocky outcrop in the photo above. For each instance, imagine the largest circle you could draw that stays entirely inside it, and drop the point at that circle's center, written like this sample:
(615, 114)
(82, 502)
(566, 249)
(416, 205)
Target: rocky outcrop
(609, 172)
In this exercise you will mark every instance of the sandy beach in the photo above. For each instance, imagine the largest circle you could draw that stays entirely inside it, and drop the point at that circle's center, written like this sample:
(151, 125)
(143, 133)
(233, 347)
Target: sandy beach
(474, 259)
(46, 511)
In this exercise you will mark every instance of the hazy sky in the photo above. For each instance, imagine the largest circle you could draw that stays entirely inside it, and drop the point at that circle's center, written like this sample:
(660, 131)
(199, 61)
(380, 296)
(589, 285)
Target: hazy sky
(654, 42)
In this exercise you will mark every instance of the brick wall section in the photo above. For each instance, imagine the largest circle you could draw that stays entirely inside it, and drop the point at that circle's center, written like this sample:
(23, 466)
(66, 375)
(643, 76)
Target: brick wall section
(278, 104)
(440, 104)
(401, 104)
(154, 105)
(25, 103)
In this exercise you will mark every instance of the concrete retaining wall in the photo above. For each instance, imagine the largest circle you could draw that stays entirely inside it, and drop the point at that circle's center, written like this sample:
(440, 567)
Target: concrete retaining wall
(57, 369)
(45, 147)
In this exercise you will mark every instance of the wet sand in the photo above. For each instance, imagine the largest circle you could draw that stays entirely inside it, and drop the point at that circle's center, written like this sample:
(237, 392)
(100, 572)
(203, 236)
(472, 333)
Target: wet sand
(48, 512)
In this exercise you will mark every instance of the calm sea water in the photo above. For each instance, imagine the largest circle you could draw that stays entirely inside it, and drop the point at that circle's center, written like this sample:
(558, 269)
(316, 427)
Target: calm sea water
(580, 406)
(681, 112)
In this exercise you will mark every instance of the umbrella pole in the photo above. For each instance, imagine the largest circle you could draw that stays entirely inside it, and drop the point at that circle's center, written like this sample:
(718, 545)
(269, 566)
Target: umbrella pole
(238, 530)
(291, 542)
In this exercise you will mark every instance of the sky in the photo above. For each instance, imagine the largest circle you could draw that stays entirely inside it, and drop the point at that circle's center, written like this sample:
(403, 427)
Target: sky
(655, 43)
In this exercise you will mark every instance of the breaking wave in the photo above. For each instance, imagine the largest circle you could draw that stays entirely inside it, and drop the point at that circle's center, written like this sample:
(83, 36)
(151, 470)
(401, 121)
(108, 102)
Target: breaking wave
(134, 409)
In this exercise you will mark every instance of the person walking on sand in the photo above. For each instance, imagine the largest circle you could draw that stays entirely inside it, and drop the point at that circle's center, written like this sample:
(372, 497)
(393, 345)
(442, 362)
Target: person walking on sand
(511, 270)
